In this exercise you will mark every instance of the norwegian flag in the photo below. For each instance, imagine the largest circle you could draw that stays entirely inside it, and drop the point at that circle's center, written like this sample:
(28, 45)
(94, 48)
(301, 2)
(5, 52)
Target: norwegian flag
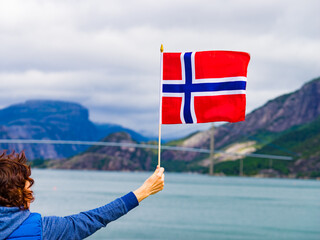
(200, 87)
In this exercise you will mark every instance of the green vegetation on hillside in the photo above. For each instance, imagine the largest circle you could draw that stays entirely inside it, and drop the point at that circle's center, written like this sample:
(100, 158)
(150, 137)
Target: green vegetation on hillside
(39, 163)
(251, 166)
(301, 143)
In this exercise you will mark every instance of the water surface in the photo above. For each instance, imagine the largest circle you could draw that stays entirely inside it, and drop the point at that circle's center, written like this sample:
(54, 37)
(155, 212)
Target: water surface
(191, 206)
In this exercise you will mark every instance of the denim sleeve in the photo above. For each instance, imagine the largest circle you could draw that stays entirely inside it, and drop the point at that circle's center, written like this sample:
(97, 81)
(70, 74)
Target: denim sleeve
(82, 225)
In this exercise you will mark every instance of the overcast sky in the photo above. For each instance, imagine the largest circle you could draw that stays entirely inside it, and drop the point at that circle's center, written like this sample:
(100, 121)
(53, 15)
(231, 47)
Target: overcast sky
(105, 54)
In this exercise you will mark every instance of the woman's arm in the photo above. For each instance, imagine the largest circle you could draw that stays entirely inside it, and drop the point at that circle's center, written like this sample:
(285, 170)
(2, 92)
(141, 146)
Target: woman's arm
(84, 224)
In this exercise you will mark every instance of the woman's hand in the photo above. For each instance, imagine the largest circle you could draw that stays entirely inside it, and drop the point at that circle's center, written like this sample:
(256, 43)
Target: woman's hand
(152, 185)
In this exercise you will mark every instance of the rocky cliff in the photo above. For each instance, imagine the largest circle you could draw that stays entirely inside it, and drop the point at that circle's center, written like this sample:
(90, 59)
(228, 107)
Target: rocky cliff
(278, 115)
(54, 120)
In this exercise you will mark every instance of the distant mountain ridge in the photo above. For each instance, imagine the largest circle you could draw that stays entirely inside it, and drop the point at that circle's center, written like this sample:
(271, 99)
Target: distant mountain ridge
(286, 125)
(108, 158)
(54, 120)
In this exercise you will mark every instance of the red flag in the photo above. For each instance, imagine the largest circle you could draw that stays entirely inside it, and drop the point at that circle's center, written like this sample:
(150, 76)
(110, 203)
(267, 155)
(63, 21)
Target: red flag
(200, 87)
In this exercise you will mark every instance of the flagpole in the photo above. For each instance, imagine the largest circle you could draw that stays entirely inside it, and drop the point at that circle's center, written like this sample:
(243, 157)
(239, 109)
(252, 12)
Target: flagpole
(160, 107)
(211, 169)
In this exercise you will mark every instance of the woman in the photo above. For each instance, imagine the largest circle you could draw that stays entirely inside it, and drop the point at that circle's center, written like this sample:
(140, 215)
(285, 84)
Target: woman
(17, 222)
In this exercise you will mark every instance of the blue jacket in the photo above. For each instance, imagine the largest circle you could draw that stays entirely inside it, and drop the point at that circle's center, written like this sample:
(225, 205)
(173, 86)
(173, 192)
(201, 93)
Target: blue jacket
(14, 222)
(31, 229)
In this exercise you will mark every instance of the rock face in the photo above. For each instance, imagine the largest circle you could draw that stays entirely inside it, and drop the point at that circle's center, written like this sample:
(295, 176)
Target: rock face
(280, 114)
(54, 120)
(276, 116)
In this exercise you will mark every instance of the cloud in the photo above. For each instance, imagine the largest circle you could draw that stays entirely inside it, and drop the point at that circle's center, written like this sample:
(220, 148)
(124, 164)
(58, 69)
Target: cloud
(105, 54)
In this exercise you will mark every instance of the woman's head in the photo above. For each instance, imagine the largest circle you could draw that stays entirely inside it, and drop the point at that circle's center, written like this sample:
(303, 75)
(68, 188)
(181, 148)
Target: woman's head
(15, 181)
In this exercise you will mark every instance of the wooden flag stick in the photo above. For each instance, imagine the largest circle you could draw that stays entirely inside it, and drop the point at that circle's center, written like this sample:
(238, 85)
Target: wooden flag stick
(159, 146)
(160, 108)
(211, 168)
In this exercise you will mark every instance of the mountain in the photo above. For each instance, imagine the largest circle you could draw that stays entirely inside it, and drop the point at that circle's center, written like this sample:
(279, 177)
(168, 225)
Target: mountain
(287, 125)
(108, 158)
(54, 120)
(303, 143)
(105, 129)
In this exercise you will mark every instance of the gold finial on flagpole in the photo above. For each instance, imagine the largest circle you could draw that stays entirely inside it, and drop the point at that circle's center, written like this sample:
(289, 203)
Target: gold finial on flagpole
(161, 48)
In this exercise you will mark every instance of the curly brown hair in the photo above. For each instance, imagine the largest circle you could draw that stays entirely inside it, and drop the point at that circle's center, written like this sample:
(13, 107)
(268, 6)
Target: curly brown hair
(14, 175)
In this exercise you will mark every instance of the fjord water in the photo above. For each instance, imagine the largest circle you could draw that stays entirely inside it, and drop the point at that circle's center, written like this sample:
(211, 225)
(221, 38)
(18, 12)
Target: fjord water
(191, 206)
